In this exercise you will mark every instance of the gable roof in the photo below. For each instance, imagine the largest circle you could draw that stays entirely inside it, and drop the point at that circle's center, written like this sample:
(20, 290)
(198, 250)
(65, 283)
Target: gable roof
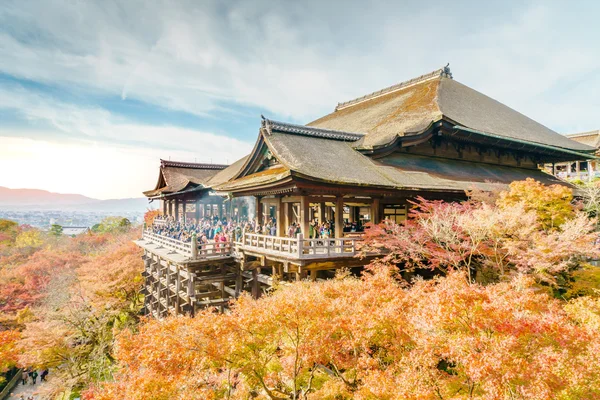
(319, 157)
(412, 106)
(591, 138)
(175, 176)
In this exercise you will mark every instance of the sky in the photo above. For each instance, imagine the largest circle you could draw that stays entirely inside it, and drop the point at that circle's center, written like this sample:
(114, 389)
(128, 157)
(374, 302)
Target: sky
(94, 93)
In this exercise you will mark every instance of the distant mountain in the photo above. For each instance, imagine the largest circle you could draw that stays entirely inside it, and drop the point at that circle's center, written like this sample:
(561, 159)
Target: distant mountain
(26, 197)
(35, 199)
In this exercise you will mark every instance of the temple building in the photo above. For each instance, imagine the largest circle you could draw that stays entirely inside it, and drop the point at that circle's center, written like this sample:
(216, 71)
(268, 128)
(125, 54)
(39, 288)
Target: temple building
(584, 171)
(430, 136)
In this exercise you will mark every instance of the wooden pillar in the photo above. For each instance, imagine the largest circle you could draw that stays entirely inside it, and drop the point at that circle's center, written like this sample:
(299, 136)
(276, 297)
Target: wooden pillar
(259, 210)
(590, 170)
(184, 211)
(220, 211)
(375, 212)
(170, 207)
(321, 212)
(351, 214)
(164, 207)
(280, 218)
(288, 215)
(197, 211)
(176, 210)
(177, 289)
(578, 169)
(339, 217)
(255, 287)
(304, 216)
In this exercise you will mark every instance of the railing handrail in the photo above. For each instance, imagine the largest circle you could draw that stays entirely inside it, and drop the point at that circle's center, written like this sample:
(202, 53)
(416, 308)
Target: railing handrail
(297, 247)
(204, 250)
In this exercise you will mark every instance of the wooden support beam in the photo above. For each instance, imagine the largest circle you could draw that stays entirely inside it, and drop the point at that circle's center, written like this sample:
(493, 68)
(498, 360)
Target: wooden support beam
(339, 217)
(184, 211)
(375, 211)
(304, 215)
(281, 229)
(255, 286)
(197, 211)
(288, 215)
(176, 210)
(259, 210)
(321, 213)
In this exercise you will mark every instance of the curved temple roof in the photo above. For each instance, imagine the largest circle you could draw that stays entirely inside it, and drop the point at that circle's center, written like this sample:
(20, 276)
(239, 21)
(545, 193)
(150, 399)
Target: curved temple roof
(410, 107)
(176, 176)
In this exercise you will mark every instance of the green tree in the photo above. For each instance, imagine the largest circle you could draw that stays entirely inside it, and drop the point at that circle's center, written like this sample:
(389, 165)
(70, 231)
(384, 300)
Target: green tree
(56, 230)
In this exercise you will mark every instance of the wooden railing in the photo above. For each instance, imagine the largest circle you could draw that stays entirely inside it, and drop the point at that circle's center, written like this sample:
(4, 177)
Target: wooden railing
(293, 248)
(192, 249)
(301, 248)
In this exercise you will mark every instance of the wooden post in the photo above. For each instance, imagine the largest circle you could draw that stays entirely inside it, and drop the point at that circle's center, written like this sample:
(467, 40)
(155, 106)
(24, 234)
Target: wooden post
(304, 216)
(280, 218)
(177, 289)
(164, 207)
(194, 245)
(255, 287)
(375, 216)
(289, 213)
(300, 244)
(259, 211)
(339, 217)
(176, 210)
(238, 283)
(321, 213)
(191, 290)
(170, 207)
(184, 211)
(197, 211)
(590, 170)
(313, 274)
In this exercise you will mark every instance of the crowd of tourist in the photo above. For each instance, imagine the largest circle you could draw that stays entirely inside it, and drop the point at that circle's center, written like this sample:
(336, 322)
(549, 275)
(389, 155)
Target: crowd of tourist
(214, 229)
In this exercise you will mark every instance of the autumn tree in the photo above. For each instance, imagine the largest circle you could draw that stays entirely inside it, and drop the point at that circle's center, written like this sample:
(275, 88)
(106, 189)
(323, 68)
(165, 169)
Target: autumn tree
(369, 338)
(544, 235)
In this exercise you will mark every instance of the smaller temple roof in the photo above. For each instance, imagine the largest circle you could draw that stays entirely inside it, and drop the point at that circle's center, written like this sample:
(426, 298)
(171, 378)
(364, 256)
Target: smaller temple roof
(176, 176)
(591, 138)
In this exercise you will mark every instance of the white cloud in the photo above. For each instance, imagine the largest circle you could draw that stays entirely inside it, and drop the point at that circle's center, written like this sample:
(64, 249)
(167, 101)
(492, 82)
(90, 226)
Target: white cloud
(295, 59)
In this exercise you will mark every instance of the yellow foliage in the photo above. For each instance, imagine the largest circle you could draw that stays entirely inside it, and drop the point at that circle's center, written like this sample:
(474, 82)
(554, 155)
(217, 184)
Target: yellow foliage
(551, 203)
(29, 238)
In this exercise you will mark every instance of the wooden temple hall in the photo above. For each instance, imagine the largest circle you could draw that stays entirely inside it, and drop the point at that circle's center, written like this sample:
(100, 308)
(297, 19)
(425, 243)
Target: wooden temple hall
(430, 136)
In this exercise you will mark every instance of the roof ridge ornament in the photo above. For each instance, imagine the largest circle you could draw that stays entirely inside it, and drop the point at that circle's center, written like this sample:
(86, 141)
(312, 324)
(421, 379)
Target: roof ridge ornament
(445, 71)
(193, 165)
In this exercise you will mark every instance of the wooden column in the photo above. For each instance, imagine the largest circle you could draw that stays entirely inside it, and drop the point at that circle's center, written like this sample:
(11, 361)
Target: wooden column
(259, 210)
(176, 210)
(184, 211)
(288, 215)
(375, 213)
(220, 211)
(164, 207)
(590, 170)
(321, 213)
(578, 169)
(339, 217)
(197, 211)
(280, 218)
(170, 207)
(304, 215)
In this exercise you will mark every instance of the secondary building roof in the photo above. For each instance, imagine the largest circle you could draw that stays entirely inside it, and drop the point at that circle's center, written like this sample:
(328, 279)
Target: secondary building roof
(591, 138)
(176, 176)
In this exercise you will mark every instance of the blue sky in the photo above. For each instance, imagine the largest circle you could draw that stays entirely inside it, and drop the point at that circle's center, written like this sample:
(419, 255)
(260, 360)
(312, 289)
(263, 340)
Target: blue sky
(92, 94)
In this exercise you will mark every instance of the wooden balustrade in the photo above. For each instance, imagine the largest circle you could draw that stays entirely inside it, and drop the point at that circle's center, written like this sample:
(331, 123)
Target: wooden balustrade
(296, 248)
(192, 248)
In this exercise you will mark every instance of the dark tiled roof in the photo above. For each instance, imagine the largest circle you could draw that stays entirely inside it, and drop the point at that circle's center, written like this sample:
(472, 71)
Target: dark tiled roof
(177, 175)
(303, 130)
